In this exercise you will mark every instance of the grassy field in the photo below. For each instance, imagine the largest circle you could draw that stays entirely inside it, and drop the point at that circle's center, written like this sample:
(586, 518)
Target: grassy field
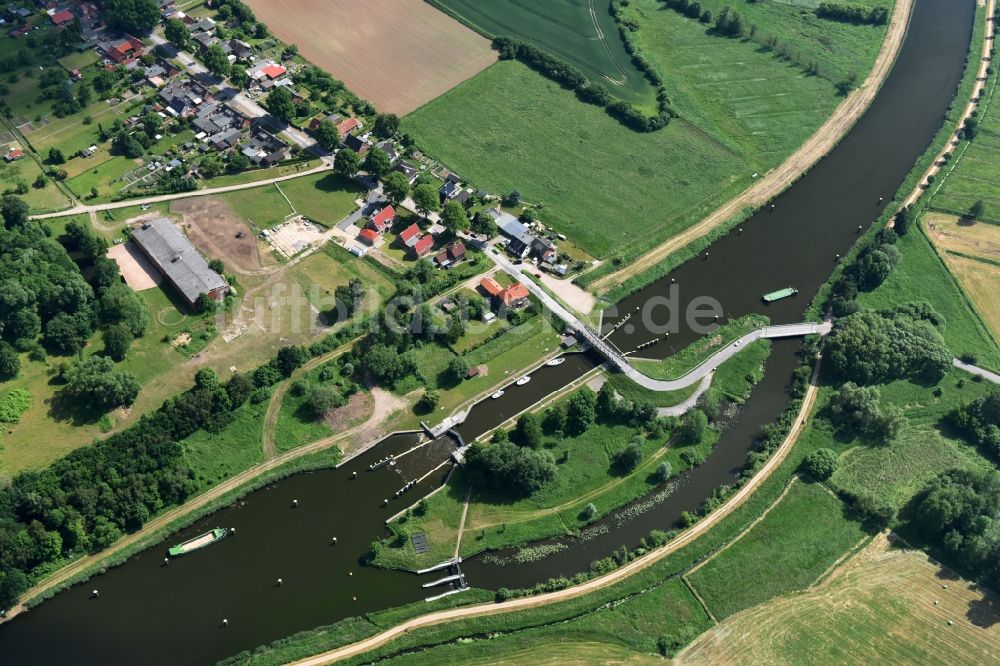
(625, 634)
(971, 251)
(545, 143)
(581, 34)
(215, 457)
(921, 276)
(790, 548)
(27, 170)
(895, 472)
(264, 207)
(325, 198)
(884, 605)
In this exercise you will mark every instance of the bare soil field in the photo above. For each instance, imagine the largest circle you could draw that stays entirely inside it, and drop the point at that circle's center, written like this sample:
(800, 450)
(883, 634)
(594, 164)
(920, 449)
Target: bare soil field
(883, 605)
(972, 252)
(398, 54)
(219, 233)
(137, 270)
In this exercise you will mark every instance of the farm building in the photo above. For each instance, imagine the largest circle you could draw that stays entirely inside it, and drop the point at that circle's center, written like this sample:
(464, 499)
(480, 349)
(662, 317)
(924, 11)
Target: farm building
(179, 261)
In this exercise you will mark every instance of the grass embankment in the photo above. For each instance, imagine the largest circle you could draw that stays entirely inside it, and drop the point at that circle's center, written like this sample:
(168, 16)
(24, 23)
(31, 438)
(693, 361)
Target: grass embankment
(541, 128)
(799, 539)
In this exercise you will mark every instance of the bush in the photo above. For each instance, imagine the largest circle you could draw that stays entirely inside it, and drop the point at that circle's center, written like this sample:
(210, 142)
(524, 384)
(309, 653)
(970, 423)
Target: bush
(820, 464)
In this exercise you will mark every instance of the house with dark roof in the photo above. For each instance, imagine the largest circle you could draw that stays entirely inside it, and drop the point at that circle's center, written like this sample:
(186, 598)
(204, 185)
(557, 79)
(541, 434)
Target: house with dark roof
(389, 149)
(455, 254)
(410, 172)
(382, 220)
(544, 249)
(357, 144)
(179, 261)
(449, 190)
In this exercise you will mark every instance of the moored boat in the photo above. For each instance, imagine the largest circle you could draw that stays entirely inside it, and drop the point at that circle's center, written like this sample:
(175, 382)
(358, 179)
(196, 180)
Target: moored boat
(523, 380)
(498, 394)
(557, 361)
(200, 541)
(780, 294)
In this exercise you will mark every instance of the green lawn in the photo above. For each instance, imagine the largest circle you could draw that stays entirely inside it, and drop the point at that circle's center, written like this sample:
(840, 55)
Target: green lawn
(570, 31)
(788, 550)
(325, 198)
(921, 276)
(27, 170)
(262, 206)
(215, 457)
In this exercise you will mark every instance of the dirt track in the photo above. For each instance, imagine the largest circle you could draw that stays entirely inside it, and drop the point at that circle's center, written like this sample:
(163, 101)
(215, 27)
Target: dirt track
(778, 180)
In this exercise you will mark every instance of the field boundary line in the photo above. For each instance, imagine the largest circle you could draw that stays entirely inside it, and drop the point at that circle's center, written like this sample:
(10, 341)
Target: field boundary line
(840, 561)
(746, 530)
(697, 596)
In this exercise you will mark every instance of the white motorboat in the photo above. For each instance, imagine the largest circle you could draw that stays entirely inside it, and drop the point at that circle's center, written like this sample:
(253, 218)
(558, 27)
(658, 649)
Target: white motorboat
(498, 394)
(523, 380)
(557, 361)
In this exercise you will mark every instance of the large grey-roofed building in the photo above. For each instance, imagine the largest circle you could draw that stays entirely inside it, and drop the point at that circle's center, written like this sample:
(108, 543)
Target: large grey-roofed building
(179, 261)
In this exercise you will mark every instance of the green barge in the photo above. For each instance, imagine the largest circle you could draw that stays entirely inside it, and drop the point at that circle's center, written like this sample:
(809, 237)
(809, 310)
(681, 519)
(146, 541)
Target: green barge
(200, 541)
(780, 294)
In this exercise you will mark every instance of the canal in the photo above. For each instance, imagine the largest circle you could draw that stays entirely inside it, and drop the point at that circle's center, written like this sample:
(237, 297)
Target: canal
(153, 613)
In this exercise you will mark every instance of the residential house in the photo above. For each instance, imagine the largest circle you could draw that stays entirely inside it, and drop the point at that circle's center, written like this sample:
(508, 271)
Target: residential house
(179, 261)
(449, 190)
(408, 236)
(348, 125)
(14, 154)
(423, 245)
(491, 287)
(240, 49)
(455, 254)
(544, 249)
(410, 172)
(182, 98)
(389, 149)
(334, 118)
(368, 236)
(122, 50)
(62, 18)
(519, 240)
(515, 295)
(264, 149)
(357, 144)
(382, 220)
(463, 197)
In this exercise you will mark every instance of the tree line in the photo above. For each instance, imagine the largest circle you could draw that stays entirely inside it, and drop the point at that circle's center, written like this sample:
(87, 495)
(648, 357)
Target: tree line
(587, 91)
(853, 13)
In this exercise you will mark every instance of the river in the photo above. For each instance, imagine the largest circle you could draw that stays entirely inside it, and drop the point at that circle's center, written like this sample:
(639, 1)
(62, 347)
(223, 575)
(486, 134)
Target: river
(151, 613)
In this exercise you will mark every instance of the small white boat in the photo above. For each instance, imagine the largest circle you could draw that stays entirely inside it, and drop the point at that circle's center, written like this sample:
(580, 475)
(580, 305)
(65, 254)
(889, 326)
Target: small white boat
(557, 361)
(523, 380)
(498, 394)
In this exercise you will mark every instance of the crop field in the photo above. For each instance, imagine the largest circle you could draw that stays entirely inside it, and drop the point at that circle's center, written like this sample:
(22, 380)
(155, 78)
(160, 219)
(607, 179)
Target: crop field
(802, 535)
(976, 175)
(972, 252)
(398, 54)
(884, 605)
(583, 34)
(509, 128)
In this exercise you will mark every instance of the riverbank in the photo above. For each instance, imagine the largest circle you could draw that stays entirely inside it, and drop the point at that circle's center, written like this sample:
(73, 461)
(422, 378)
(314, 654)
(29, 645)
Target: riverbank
(781, 178)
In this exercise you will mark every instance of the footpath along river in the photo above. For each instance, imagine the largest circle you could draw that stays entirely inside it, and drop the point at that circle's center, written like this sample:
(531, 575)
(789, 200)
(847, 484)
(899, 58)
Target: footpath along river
(151, 613)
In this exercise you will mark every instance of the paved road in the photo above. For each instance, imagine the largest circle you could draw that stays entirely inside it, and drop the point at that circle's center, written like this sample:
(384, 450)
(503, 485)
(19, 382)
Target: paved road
(985, 374)
(83, 209)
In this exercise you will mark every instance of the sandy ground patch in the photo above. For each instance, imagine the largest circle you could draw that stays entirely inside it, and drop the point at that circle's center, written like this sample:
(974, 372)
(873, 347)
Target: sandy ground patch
(398, 54)
(218, 232)
(138, 271)
(358, 407)
(384, 404)
(577, 298)
(294, 236)
(883, 605)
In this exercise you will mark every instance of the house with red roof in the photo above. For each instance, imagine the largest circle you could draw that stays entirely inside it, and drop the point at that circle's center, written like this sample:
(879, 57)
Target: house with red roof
(273, 71)
(348, 125)
(368, 236)
(423, 245)
(490, 287)
(14, 154)
(382, 220)
(62, 18)
(515, 295)
(453, 255)
(409, 236)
